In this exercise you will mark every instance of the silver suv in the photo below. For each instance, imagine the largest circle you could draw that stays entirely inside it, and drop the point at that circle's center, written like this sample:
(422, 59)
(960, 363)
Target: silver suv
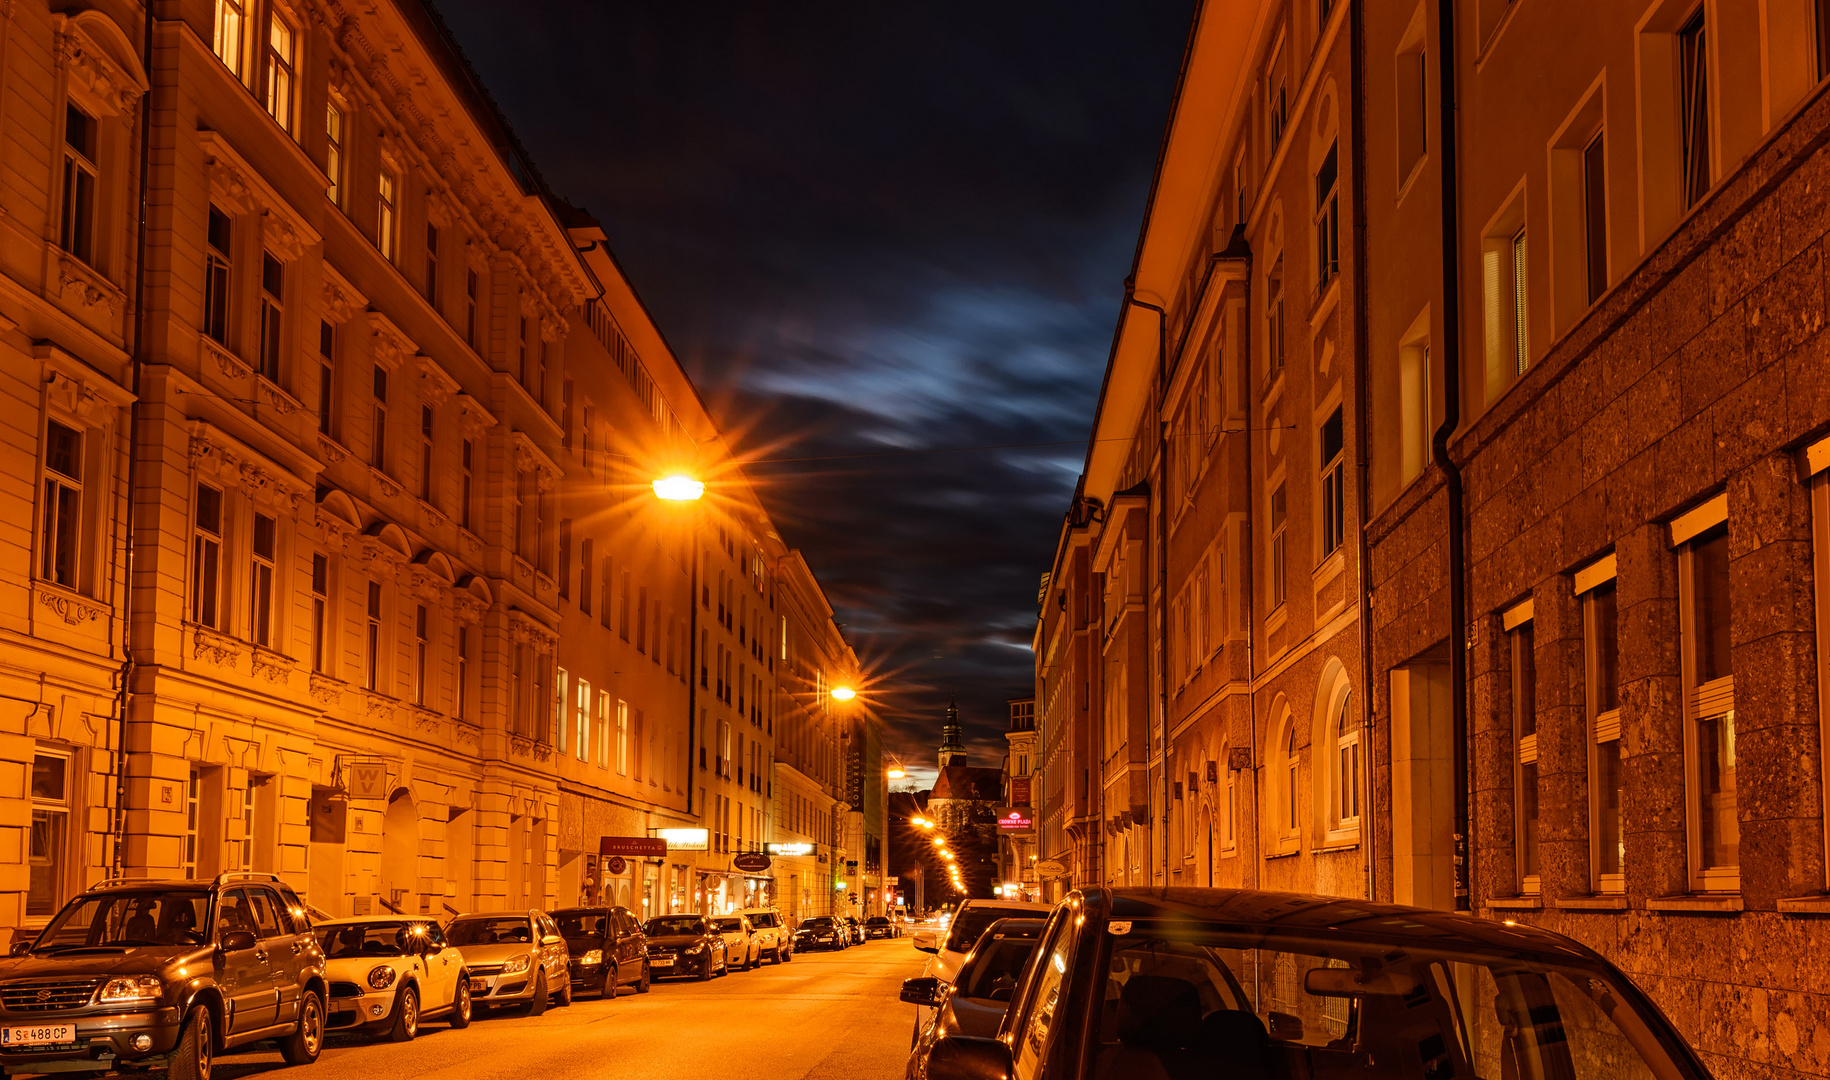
(772, 936)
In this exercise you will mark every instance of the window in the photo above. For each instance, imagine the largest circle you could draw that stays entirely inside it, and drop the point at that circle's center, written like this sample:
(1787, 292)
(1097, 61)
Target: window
(521, 355)
(622, 623)
(1601, 685)
(282, 60)
(60, 536)
(582, 722)
(327, 376)
(320, 613)
(1595, 216)
(1290, 814)
(1229, 806)
(1525, 746)
(425, 453)
(422, 648)
(467, 470)
(378, 427)
(565, 558)
(622, 738)
(1344, 743)
(206, 555)
(432, 264)
(333, 151)
(1520, 356)
(602, 736)
(1279, 548)
(641, 620)
(260, 580)
(463, 672)
(50, 844)
(470, 307)
(1709, 707)
(1413, 123)
(384, 212)
(562, 710)
(216, 278)
(1328, 218)
(191, 799)
(586, 557)
(1277, 102)
(606, 589)
(77, 235)
(1693, 106)
(1334, 497)
(371, 676)
(231, 18)
(272, 321)
(1417, 392)
(1274, 321)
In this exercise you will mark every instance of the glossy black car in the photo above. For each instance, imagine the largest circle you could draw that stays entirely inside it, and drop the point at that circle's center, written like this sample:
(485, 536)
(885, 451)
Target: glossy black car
(974, 1002)
(606, 949)
(821, 932)
(855, 929)
(1134, 983)
(686, 946)
(879, 926)
(144, 974)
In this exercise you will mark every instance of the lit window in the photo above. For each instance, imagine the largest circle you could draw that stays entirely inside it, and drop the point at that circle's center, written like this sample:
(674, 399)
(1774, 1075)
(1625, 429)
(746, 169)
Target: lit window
(333, 151)
(206, 558)
(77, 235)
(231, 18)
(1525, 744)
(272, 322)
(282, 60)
(61, 531)
(1709, 711)
(582, 721)
(1607, 784)
(622, 738)
(384, 213)
(260, 580)
(50, 841)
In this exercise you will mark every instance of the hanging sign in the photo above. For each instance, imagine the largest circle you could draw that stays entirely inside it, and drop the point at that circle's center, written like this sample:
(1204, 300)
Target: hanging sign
(1051, 868)
(788, 850)
(750, 862)
(685, 839)
(1017, 820)
(615, 866)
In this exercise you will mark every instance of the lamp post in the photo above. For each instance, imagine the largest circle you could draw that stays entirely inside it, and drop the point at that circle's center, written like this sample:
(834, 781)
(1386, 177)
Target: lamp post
(683, 489)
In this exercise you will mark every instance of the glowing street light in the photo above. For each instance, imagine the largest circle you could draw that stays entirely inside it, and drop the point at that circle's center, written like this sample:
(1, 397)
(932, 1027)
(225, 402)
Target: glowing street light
(678, 488)
(939, 842)
(896, 772)
(843, 693)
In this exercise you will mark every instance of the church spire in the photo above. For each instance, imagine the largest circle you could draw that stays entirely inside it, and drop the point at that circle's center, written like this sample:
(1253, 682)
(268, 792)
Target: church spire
(952, 744)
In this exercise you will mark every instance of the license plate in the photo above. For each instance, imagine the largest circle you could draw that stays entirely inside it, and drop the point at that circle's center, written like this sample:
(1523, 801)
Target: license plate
(42, 1035)
(661, 961)
(479, 986)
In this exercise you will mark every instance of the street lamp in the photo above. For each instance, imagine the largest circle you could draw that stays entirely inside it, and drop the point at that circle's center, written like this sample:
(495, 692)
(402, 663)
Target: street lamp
(679, 488)
(843, 693)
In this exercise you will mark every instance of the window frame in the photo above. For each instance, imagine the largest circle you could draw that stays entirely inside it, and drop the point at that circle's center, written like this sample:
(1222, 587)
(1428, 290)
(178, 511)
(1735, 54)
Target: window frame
(1332, 521)
(280, 69)
(263, 574)
(1346, 766)
(219, 278)
(336, 125)
(1602, 726)
(374, 636)
(1702, 701)
(80, 189)
(230, 37)
(63, 540)
(322, 651)
(58, 861)
(270, 349)
(1277, 558)
(1527, 802)
(387, 210)
(206, 559)
(1328, 219)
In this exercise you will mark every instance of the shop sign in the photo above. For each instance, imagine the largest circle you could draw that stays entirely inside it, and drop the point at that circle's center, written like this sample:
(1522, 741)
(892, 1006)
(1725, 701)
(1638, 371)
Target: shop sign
(615, 866)
(685, 839)
(1019, 790)
(788, 850)
(750, 862)
(632, 847)
(1015, 821)
(1051, 868)
(368, 780)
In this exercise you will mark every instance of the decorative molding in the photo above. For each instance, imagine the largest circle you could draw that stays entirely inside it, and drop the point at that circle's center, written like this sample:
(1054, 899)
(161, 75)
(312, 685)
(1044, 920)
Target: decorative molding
(373, 552)
(530, 458)
(424, 720)
(523, 629)
(379, 706)
(467, 607)
(470, 542)
(217, 458)
(434, 517)
(235, 182)
(520, 746)
(472, 416)
(226, 362)
(105, 85)
(214, 646)
(543, 751)
(332, 450)
(70, 607)
(435, 385)
(391, 344)
(341, 300)
(466, 735)
(285, 403)
(282, 237)
(325, 690)
(272, 666)
(388, 485)
(78, 284)
(81, 392)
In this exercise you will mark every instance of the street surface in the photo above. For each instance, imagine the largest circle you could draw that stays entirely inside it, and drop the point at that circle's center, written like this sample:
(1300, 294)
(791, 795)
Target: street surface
(822, 1016)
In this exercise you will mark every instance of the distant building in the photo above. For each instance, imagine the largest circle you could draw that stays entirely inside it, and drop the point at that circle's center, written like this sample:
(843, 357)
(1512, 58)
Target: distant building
(963, 806)
(1017, 847)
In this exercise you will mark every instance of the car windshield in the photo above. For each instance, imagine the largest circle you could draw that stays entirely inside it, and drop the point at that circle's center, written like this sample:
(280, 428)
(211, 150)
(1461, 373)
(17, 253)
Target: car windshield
(818, 922)
(762, 920)
(126, 919)
(582, 925)
(511, 930)
(1180, 991)
(727, 926)
(876, 920)
(996, 964)
(970, 923)
(371, 939)
(673, 925)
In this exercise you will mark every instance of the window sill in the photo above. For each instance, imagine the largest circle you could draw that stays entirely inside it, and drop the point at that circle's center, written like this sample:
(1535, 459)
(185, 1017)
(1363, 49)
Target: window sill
(1805, 905)
(1348, 843)
(1516, 903)
(1284, 853)
(1721, 904)
(1598, 902)
(1276, 619)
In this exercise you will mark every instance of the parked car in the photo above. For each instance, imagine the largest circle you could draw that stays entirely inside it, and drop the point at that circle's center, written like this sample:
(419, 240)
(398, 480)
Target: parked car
(606, 949)
(739, 941)
(685, 945)
(772, 935)
(974, 1003)
(880, 926)
(390, 974)
(855, 929)
(514, 957)
(961, 932)
(1237, 983)
(164, 973)
(821, 932)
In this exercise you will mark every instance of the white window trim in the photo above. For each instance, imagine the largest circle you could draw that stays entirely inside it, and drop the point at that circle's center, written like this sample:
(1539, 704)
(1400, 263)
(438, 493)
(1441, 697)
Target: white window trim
(1712, 698)
(1525, 752)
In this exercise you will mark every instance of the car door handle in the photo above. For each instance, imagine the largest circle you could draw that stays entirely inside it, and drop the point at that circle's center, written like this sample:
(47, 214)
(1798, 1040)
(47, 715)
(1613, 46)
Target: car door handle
(296, 947)
(260, 954)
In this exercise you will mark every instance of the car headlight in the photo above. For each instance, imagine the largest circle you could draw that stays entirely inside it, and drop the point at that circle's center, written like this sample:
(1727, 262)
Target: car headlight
(695, 950)
(381, 978)
(595, 956)
(122, 991)
(515, 965)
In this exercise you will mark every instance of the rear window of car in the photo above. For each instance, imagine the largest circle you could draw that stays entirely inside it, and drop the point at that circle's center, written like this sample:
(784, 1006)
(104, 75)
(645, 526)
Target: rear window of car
(763, 920)
(970, 923)
(818, 922)
(511, 930)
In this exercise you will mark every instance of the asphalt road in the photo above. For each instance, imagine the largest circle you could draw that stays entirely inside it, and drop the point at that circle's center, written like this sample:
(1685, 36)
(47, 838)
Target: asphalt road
(822, 1016)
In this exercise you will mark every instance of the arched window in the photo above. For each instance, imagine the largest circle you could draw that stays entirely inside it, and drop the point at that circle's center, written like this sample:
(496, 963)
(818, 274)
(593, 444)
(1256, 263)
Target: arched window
(1344, 740)
(1292, 814)
(1229, 802)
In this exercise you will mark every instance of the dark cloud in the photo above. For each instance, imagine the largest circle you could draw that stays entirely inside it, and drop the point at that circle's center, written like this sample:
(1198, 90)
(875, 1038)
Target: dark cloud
(867, 230)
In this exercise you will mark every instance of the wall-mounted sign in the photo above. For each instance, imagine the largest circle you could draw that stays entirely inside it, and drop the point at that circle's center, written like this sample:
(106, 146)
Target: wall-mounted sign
(1051, 868)
(368, 780)
(789, 850)
(632, 847)
(615, 865)
(1017, 820)
(685, 839)
(750, 862)
(1019, 791)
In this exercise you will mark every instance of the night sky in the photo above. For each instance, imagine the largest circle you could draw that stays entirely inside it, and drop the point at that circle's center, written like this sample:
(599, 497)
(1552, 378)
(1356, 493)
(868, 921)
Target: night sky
(870, 229)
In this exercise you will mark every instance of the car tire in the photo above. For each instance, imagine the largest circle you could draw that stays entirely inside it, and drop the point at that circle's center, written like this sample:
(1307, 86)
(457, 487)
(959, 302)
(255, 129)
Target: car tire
(705, 973)
(406, 1016)
(641, 986)
(565, 991)
(607, 988)
(461, 1007)
(537, 1004)
(307, 1040)
(196, 1050)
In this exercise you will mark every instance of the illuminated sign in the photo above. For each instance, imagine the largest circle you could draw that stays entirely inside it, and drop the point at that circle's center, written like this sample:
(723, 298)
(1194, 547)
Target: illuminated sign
(685, 839)
(779, 850)
(1015, 821)
(633, 847)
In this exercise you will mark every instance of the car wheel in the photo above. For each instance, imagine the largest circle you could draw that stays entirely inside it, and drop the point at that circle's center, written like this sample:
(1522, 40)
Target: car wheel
(307, 1040)
(607, 989)
(196, 1047)
(537, 1004)
(641, 987)
(705, 973)
(565, 991)
(460, 1003)
(406, 1017)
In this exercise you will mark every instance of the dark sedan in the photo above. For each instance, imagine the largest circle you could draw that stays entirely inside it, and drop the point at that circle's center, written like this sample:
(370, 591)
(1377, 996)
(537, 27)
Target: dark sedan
(879, 926)
(685, 945)
(1245, 984)
(975, 1001)
(821, 932)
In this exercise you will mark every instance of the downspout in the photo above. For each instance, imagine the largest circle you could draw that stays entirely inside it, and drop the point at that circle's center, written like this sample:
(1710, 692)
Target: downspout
(1369, 823)
(1162, 565)
(137, 361)
(1439, 446)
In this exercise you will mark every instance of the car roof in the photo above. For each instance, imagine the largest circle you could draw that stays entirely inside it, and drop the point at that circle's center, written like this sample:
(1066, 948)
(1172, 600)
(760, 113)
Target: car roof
(366, 920)
(522, 914)
(1298, 913)
(1004, 905)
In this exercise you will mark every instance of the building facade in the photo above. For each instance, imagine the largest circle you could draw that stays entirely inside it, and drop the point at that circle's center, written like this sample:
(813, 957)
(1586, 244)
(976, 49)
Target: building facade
(1512, 487)
(336, 556)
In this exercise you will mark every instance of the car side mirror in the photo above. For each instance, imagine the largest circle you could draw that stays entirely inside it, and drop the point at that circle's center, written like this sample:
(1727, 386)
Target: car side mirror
(922, 991)
(552, 939)
(237, 940)
(926, 943)
(963, 1057)
(20, 948)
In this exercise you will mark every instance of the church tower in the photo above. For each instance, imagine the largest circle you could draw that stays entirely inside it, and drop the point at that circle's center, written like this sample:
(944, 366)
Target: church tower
(952, 748)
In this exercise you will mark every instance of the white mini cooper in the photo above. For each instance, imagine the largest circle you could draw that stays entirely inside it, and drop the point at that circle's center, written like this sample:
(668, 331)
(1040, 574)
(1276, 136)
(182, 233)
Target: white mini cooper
(390, 973)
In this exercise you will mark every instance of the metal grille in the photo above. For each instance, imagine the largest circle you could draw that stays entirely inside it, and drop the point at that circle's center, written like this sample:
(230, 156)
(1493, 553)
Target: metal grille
(345, 990)
(48, 996)
(485, 970)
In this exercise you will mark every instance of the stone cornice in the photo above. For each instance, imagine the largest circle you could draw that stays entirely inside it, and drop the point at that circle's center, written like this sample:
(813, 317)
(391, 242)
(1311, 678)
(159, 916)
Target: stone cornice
(284, 230)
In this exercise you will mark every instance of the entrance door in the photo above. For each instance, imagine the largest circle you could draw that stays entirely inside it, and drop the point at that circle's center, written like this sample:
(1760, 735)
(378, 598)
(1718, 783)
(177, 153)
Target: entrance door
(1423, 787)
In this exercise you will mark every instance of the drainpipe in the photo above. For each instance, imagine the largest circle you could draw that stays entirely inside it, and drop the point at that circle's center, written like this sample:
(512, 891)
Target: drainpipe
(1162, 564)
(1369, 828)
(1439, 447)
